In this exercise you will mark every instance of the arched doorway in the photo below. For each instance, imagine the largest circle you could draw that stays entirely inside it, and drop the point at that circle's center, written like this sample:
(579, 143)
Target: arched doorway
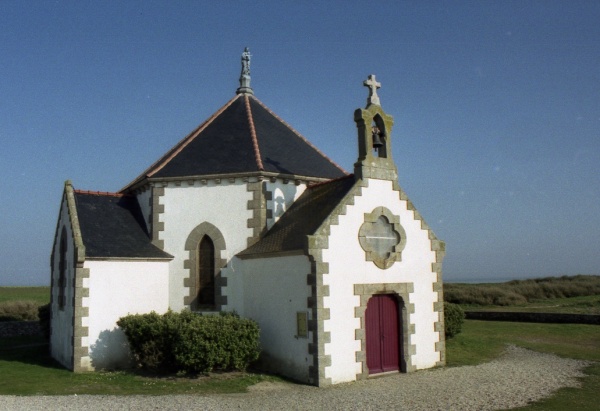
(382, 328)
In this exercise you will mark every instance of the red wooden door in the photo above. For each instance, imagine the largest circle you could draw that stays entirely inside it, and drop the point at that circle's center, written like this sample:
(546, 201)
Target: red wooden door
(383, 342)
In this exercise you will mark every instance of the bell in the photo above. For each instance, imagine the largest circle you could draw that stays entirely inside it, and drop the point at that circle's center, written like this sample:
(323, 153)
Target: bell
(377, 143)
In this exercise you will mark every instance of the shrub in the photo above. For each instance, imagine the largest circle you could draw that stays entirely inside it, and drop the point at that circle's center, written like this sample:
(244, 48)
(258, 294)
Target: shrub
(190, 342)
(151, 338)
(454, 317)
(18, 311)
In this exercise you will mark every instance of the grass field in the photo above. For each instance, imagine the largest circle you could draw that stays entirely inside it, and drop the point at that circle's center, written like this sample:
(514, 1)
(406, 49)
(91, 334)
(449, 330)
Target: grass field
(39, 295)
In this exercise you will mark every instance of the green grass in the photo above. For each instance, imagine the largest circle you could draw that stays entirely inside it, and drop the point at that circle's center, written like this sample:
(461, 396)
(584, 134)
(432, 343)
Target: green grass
(30, 371)
(482, 341)
(40, 295)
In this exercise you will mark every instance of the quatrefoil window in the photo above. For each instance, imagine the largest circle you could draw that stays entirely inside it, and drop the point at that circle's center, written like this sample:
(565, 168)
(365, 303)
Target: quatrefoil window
(382, 237)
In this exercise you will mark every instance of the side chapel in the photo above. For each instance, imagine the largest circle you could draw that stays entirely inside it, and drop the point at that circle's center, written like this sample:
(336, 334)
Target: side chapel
(340, 270)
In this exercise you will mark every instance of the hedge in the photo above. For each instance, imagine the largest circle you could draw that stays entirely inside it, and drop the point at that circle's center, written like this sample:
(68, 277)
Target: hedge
(191, 343)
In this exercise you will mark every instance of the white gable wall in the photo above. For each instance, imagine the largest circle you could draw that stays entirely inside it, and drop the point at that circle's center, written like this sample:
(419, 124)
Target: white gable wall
(118, 288)
(275, 291)
(224, 205)
(283, 196)
(347, 266)
(61, 337)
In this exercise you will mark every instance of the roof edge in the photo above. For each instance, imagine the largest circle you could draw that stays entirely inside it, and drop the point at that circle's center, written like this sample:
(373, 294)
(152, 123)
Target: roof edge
(163, 160)
(132, 259)
(74, 220)
(101, 193)
(260, 175)
(255, 145)
(299, 135)
(271, 254)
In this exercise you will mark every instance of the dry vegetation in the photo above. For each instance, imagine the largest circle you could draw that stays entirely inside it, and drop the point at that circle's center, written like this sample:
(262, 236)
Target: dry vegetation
(19, 311)
(519, 292)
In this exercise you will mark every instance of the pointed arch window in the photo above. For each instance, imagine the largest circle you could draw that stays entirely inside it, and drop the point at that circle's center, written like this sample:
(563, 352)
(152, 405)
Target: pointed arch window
(206, 272)
(206, 247)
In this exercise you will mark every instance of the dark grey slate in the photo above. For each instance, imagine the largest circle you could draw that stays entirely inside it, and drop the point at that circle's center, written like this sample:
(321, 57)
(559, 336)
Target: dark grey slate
(225, 146)
(302, 219)
(113, 226)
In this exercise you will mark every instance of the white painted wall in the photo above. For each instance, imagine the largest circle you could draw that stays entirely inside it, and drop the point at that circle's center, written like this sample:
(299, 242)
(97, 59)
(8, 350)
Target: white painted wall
(234, 272)
(283, 196)
(118, 288)
(275, 290)
(347, 266)
(224, 205)
(61, 337)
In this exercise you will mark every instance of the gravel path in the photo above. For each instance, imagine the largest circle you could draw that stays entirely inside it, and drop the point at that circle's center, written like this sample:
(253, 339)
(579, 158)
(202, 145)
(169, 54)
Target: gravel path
(515, 379)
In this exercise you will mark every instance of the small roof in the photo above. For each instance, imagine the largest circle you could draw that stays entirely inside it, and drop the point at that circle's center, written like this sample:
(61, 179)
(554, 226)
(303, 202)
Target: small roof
(112, 226)
(244, 136)
(303, 218)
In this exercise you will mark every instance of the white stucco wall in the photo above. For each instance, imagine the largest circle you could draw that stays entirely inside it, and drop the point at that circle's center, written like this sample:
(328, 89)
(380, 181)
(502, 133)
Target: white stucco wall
(275, 291)
(234, 272)
(224, 205)
(118, 288)
(61, 337)
(283, 195)
(347, 266)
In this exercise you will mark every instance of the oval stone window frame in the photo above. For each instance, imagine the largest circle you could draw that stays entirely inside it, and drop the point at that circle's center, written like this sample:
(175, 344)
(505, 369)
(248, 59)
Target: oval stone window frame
(384, 253)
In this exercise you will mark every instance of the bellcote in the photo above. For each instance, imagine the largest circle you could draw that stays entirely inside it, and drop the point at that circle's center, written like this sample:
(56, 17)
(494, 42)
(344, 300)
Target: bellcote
(374, 138)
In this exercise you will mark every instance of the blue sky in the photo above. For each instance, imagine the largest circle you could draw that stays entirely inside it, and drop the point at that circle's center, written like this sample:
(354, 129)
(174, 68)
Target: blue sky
(496, 108)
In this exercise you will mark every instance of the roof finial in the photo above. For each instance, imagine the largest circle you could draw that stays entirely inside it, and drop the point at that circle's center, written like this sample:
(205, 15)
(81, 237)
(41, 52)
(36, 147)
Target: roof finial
(245, 76)
(373, 86)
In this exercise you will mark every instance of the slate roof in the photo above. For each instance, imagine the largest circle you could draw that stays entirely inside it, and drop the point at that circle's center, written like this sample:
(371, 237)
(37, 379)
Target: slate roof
(112, 225)
(303, 218)
(243, 136)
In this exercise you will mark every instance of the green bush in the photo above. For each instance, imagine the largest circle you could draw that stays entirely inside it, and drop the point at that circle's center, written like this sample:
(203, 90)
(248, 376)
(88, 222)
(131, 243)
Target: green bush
(18, 311)
(152, 338)
(192, 343)
(454, 317)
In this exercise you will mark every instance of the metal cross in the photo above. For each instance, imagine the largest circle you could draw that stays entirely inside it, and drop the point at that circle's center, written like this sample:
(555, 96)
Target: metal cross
(373, 85)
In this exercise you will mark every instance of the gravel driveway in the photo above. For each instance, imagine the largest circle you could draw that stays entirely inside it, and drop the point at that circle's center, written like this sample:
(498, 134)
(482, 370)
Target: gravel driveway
(515, 379)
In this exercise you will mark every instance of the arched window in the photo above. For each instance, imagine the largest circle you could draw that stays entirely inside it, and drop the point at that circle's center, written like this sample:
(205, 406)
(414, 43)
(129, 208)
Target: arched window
(206, 249)
(206, 272)
(62, 270)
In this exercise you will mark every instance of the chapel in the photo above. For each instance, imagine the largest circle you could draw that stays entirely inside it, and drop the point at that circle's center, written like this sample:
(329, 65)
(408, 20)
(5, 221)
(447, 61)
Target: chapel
(244, 214)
